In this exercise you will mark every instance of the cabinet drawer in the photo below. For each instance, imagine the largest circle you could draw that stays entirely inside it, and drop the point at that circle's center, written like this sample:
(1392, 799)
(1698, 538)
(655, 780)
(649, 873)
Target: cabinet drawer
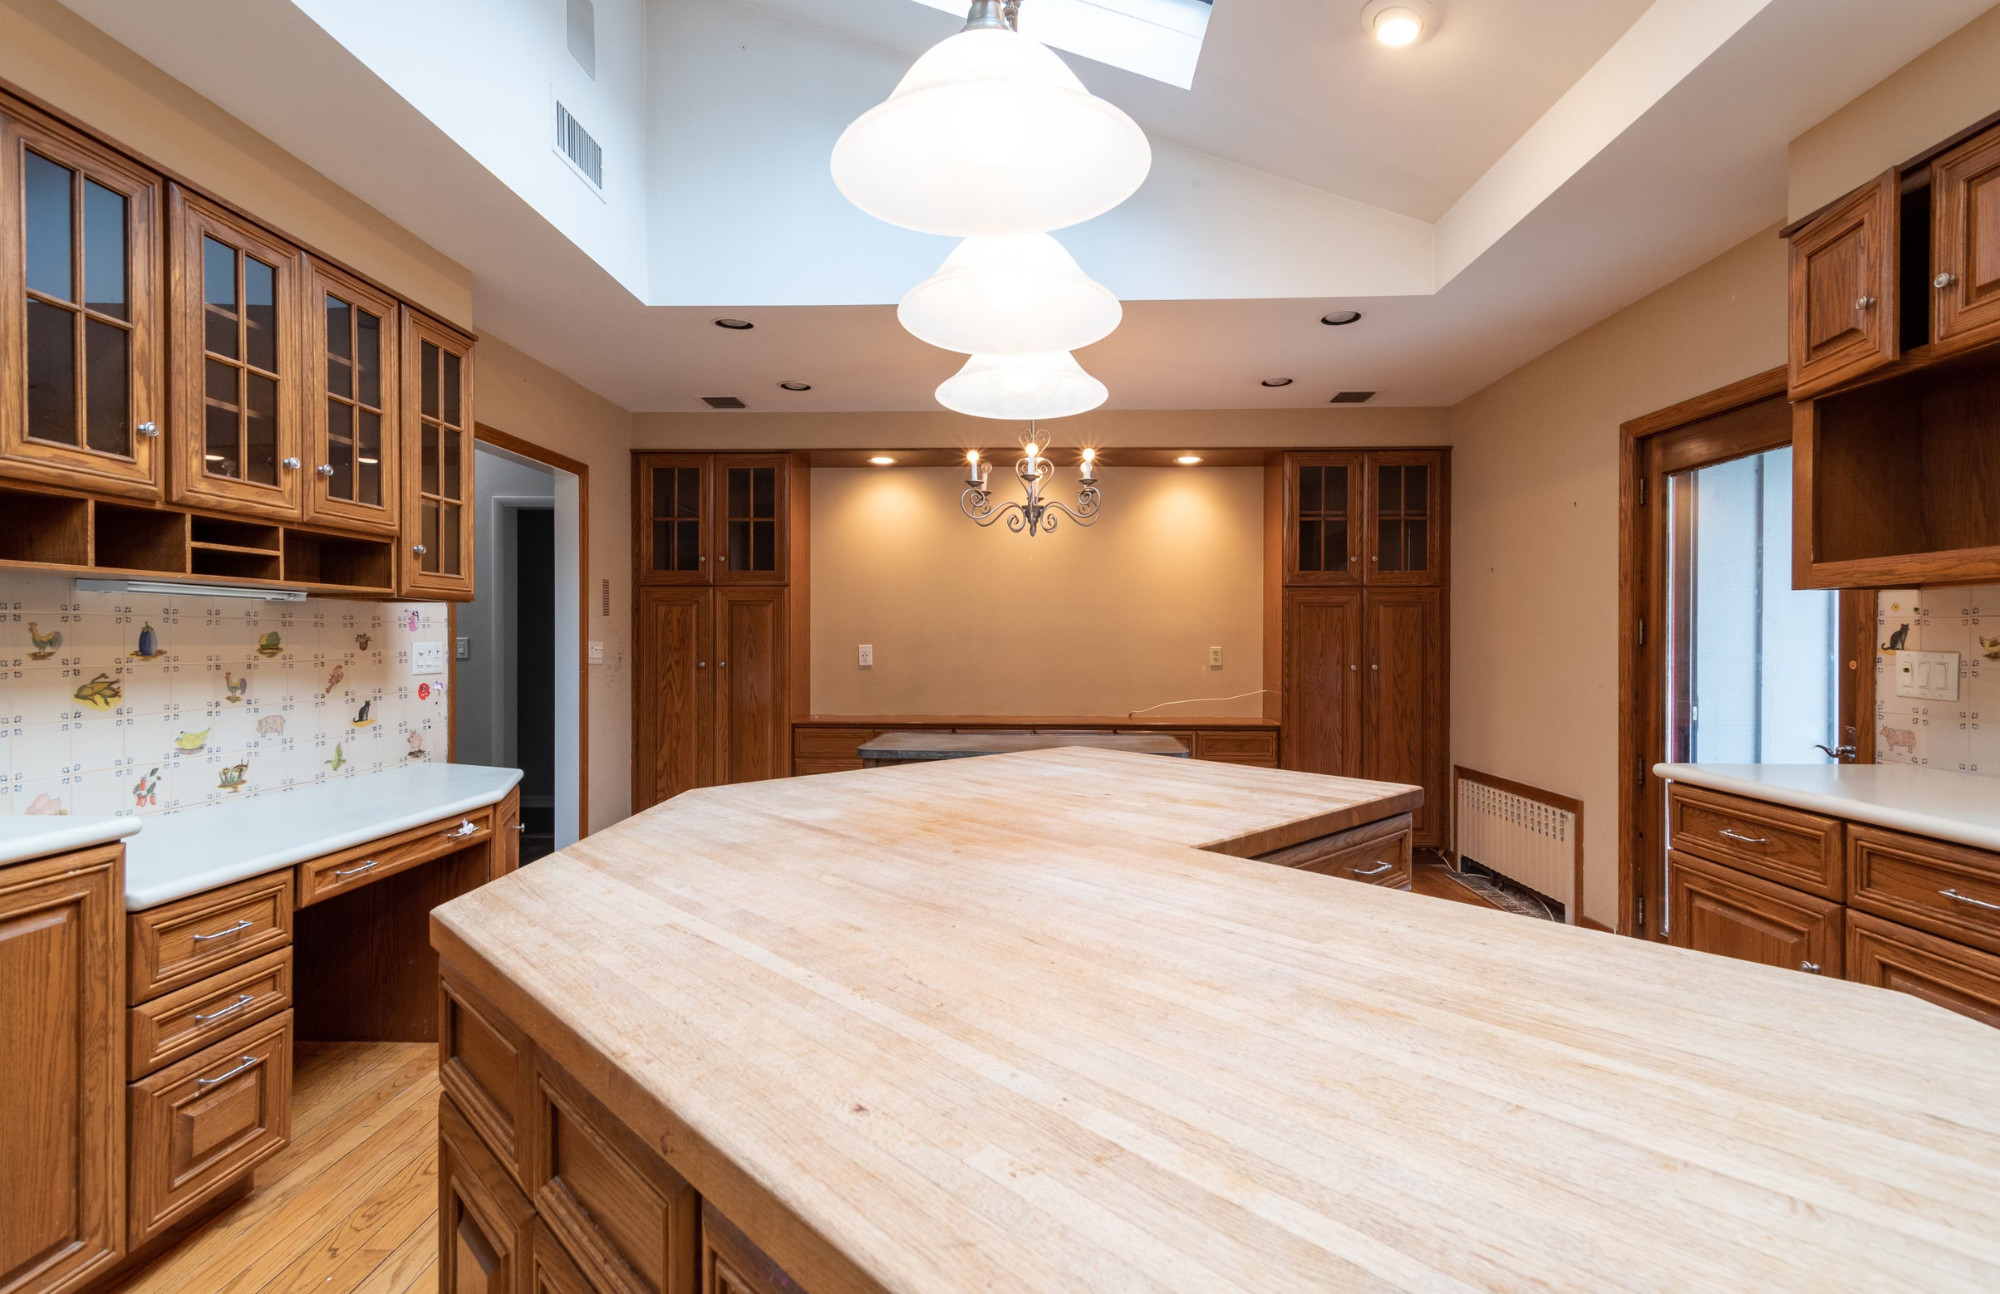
(322, 878)
(1802, 850)
(199, 1125)
(1255, 747)
(486, 1227)
(1727, 912)
(731, 1264)
(830, 743)
(178, 943)
(1377, 853)
(1896, 957)
(186, 1020)
(1946, 889)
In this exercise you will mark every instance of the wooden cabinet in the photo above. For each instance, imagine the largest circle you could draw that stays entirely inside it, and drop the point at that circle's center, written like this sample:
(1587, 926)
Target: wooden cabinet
(1951, 975)
(1405, 531)
(749, 677)
(1843, 289)
(80, 335)
(674, 746)
(437, 431)
(1716, 909)
(1373, 517)
(186, 1020)
(486, 1226)
(487, 1068)
(1786, 846)
(62, 1139)
(1403, 723)
(732, 1264)
(1949, 890)
(190, 939)
(1324, 522)
(716, 518)
(1965, 243)
(1377, 853)
(352, 403)
(1322, 688)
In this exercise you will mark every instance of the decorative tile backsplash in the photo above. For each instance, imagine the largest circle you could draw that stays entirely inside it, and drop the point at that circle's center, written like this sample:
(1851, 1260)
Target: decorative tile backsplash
(1962, 734)
(120, 703)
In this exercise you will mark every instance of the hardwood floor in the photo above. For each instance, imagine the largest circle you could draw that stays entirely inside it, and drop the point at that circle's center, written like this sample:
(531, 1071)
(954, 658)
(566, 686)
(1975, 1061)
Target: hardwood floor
(350, 1207)
(1435, 879)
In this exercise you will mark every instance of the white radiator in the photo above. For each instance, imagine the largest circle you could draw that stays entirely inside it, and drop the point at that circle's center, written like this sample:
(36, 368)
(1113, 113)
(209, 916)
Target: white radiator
(1529, 836)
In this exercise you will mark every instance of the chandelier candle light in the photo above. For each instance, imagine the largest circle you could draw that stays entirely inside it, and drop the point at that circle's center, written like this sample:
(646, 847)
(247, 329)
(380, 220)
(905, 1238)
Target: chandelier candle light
(1036, 514)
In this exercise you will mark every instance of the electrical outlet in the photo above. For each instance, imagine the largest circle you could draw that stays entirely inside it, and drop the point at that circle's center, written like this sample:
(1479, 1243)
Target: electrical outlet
(597, 653)
(426, 658)
(867, 655)
(1927, 675)
(465, 649)
(1215, 658)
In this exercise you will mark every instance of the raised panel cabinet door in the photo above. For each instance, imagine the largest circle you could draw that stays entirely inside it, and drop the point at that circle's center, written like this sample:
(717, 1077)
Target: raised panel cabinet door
(1948, 974)
(750, 704)
(674, 694)
(1323, 523)
(233, 434)
(486, 1225)
(1403, 709)
(751, 521)
(1323, 684)
(62, 1097)
(1403, 533)
(352, 400)
(1720, 910)
(437, 429)
(1842, 290)
(1965, 242)
(671, 502)
(81, 366)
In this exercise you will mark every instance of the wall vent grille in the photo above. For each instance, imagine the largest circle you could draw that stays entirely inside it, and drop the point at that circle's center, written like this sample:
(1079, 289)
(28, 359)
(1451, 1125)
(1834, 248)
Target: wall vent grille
(1352, 397)
(579, 148)
(723, 402)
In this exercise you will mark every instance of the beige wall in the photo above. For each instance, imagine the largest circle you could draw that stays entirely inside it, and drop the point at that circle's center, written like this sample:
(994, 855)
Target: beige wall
(1158, 429)
(1089, 622)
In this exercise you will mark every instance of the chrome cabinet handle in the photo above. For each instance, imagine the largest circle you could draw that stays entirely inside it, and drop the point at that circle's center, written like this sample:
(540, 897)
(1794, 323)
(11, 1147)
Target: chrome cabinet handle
(1944, 280)
(418, 549)
(370, 865)
(242, 925)
(1863, 303)
(1811, 968)
(1376, 870)
(292, 463)
(242, 1000)
(149, 429)
(465, 827)
(324, 469)
(1969, 901)
(1748, 840)
(249, 1062)
(521, 826)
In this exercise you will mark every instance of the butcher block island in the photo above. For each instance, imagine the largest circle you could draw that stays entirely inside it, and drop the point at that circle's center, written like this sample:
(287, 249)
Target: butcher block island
(1046, 1022)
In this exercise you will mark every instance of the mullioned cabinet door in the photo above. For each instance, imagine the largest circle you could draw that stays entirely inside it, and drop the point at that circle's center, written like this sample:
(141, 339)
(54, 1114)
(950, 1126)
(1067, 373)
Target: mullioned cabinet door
(437, 433)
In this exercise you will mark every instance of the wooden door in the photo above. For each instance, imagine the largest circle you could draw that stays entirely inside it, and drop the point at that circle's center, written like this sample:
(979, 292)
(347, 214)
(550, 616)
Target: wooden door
(1842, 289)
(1323, 519)
(674, 749)
(1403, 710)
(750, 705)
(1965, 242)
(234, 435)
(1322, 684)
(671, 507)
(1717, 909)
(351, 403)
(751, 532)
(1404, 534)
(81, 364)
(437, 459)
(62, 1097)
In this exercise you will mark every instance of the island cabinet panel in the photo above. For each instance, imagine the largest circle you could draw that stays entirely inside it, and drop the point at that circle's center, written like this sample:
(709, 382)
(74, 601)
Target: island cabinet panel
(81, 370)
(190, 939)
(1965, 243)
(555, 1271)
(486, 1226)
(1843, 280)
(1946, 889)
(731, 1264)
(1951, 975)
(487, 1066)
(1794, 848)
(1718, 910)
(62, 1215)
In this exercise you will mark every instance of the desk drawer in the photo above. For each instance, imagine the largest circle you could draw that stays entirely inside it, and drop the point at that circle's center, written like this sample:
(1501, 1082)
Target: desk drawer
(1800, 850)
(1376, 853)
(181, 1023)
(179, 943)
(1946, 889)
(322, 878)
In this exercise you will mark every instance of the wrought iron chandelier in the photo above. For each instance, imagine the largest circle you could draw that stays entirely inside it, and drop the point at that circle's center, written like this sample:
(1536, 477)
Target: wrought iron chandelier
(1036, 514)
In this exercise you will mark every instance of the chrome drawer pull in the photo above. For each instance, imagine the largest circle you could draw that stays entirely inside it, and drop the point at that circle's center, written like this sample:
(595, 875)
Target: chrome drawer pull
(242, 925)
(1811, 968)
(242, 1000)
(1748, 840)
(1376, 870)
(249, 1062)
(356, 871)
(465, 827)
(1969, 901)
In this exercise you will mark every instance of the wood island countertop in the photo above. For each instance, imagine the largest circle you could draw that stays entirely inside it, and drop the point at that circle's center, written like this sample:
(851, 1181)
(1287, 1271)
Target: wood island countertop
(993, 1025)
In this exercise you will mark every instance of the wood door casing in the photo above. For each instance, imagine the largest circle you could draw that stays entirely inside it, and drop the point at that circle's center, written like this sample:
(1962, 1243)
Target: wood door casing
(1734, 914)
(124, 460)
(1403, 698)
(1965, 243)
(436, 425)
(674, 693)
(1842, 289)
(1323, 519)
(349, 390)
(62, 1095)
(751, 722)
(1322, 729)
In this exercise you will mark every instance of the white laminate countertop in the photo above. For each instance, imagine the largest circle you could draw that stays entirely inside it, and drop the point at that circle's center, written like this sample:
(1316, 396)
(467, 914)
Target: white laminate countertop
(1948, 805)
(32, 835)
(198, 849)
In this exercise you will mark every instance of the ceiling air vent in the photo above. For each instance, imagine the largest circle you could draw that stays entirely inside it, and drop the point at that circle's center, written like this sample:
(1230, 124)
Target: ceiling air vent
(578, 148)
(1352, 397)
(723, 402)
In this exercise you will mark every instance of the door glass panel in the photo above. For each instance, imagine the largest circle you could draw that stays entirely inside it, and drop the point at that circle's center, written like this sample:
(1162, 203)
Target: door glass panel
(429, 560)
(764, 546)
(429, 460)
(429, 367)
(687, 551)
(108, 403)
(260, 314)
(1389, 489)
(764, 492)
(739, 492)
(368, 359)
(452, 365)
(448, 536)
(1402, 511)
(739, 546)
(368, 459)
(51, 373)
(260, 430)
(49, 194)
(339, 347)
(340, 449)
(451, 463)
(104, 287)
(1322, 518)
(1309, 490)
(687, 498)
(1311, 544)
(219, 454)
(218, 294)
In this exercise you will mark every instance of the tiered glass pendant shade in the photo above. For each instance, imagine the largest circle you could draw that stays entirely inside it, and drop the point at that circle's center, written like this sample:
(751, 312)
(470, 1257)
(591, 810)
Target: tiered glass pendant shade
(1045, 384)
(1010, 295)
(990, 134)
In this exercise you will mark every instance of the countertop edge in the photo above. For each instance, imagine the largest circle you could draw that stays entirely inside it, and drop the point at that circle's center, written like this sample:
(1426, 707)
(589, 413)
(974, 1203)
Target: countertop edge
(62, 837)
(1914, 821)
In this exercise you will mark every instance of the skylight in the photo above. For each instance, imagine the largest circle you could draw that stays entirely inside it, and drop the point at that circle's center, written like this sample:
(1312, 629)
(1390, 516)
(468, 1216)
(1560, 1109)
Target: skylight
(1160, 39)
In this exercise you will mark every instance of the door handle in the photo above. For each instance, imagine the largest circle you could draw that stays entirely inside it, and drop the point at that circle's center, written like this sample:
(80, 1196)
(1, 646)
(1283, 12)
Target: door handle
(239, 927)
(249, 1062)
(1969, 901)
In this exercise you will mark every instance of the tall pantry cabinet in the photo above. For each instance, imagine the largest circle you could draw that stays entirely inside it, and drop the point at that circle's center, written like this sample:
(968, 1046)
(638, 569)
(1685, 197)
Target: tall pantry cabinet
(1365, 572)
(720, 538)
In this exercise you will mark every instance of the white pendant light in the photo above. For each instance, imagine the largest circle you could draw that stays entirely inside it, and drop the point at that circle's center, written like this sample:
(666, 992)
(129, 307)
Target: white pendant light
(990, 133)
(1047, 384)
(1005, 296)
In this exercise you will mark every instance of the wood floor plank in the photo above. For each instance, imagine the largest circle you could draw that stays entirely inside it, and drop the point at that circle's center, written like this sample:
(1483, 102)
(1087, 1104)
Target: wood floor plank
(408, 1263)
(367, 1229)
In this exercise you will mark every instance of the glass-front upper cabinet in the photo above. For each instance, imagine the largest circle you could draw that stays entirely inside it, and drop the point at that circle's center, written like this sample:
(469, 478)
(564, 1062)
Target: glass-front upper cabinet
(79, 315)
(1405, 535)
(437, 458)
(1323, 530)
(352, 402)
(235, 432)
(673, 511)
(751, 518)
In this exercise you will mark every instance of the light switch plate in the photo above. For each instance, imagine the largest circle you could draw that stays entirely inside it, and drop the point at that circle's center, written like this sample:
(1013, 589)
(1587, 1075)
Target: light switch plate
(1927, 675)
(427, 658)
(867, 655)
(465, 649)
(597, 653)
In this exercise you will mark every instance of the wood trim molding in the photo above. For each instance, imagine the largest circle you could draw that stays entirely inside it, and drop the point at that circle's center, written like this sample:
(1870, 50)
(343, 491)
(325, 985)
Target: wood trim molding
(1023, 721)
(1758, 386)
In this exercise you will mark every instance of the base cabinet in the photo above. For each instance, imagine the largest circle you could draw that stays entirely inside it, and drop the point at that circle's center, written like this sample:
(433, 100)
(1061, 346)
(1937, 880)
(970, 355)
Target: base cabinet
(486, 1226)
(711, 691)
(1717, 910)
(1953, 976)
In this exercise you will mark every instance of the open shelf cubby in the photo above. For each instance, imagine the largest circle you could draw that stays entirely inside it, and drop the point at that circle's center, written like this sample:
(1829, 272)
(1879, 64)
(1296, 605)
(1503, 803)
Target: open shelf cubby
(235, 563)
(140, 539)
(53, 528)
(227, 533)
(340, 562)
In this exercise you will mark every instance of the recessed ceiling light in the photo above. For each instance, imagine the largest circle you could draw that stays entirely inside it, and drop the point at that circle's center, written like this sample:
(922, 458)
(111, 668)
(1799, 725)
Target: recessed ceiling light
(1188, 460)
(1340, 318)
(1398, 22)
(735, 325)
(795, 386)
(1277, 381)
(882, 460)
